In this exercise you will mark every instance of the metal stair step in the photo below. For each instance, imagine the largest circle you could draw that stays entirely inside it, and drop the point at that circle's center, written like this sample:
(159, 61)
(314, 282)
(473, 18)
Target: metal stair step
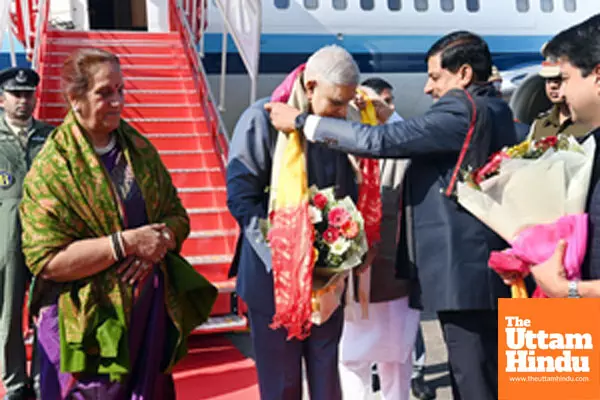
(130, 67)
(58, 57)
(111, 35)
(147, 96)
(232, 322)
(145, 125)
(131, 112)
(132, 71)
(198, 179)
(191, 161)
(207, 210)
(209, 245)
(71, 46)
(114, 43)
(136, 82)
(217, 221)
(186, 142)
(215, 260)
(214, 271)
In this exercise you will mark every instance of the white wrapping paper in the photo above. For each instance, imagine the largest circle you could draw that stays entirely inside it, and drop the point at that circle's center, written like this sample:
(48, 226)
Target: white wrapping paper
(530, 192)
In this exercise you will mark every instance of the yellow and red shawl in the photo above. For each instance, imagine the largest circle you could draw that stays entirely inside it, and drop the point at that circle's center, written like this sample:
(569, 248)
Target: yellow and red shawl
(292, 234)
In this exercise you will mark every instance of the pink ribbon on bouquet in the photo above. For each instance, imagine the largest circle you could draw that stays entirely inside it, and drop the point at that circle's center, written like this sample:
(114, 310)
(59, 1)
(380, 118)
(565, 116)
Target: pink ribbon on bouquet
(536, 244)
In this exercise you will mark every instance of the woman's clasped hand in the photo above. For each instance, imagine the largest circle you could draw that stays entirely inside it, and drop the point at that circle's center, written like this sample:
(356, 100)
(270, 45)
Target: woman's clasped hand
(144, 246)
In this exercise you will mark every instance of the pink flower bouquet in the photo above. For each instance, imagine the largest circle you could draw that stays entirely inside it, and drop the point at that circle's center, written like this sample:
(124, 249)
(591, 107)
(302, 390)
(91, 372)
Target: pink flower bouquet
(340, 238)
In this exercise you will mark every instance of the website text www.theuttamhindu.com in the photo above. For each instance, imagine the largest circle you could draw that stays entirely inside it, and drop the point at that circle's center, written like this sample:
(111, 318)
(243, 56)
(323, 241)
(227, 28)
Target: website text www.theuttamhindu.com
(549, 378)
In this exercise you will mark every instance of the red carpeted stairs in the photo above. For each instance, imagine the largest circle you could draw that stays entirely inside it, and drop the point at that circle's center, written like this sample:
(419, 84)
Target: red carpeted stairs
(164, 100)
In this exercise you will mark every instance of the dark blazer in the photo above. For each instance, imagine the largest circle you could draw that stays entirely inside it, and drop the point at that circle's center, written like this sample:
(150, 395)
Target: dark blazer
(248, 177)
(443, 248)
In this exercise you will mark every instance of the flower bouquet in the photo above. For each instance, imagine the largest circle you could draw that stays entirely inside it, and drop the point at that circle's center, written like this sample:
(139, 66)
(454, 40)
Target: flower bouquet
(533, 195)
(340, 243)
(340, 238)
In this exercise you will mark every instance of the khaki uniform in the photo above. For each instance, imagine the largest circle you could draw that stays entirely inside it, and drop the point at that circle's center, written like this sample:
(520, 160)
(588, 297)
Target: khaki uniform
(16, 155)
(547, 124)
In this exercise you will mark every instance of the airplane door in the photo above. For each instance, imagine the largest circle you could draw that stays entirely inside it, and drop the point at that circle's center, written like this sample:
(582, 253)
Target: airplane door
(118, 14)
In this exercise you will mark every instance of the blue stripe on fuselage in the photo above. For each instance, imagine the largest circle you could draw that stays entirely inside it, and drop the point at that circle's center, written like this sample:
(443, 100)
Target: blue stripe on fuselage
(307, 43)
(280, 53)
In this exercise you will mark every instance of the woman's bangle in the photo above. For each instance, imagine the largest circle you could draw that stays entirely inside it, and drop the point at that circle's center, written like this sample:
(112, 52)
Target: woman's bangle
(113, 247)
(116, 243)
(122, 244)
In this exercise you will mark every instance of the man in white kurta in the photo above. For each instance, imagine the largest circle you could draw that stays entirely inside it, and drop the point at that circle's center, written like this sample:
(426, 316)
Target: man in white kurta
(387, 336)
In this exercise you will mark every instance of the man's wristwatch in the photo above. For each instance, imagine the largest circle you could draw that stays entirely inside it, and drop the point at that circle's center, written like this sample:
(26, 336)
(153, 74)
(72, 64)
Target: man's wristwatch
(573, 290)
(300, 121)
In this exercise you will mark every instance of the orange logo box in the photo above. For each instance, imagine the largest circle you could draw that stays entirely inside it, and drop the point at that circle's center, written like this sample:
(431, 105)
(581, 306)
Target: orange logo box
(549, 349)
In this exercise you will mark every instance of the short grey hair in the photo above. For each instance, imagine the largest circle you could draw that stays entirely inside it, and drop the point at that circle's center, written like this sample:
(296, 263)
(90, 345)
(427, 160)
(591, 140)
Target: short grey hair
(334, 65)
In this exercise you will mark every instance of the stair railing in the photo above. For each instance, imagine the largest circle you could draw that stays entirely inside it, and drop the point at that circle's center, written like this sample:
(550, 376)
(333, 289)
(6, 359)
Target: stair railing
(180, 23)
(28, 23)
(5, 28)
(41, 27)
(248, 43)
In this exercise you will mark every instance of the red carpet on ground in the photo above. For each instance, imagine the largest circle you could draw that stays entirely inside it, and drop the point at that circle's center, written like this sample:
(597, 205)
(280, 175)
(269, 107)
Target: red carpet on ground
(214, 369)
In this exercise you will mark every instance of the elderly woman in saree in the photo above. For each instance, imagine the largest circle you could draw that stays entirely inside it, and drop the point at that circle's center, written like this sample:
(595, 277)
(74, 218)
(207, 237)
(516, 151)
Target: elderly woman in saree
(102, 227)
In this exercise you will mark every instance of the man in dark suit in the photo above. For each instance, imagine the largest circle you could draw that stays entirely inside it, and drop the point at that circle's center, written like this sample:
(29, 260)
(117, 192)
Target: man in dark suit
(329, 83)
(445, 247)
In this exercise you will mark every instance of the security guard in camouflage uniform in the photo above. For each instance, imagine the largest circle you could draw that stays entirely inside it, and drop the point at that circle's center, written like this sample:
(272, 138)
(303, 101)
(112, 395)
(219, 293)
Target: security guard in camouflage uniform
(21, 138)
(557, 119)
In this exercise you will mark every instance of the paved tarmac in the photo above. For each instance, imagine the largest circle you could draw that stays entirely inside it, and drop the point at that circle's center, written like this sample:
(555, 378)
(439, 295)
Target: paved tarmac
(436, 368)
(436, 371)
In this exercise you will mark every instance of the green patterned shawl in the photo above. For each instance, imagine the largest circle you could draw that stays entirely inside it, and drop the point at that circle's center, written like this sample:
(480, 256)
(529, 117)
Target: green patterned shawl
(68, 196)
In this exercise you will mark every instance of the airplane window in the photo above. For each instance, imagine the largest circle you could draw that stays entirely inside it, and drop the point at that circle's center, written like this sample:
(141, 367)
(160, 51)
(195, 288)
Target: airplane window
(547, 5)
(311, 4)
(340, 4)
(570, 5)
(421, 5)
(473, 5)
(447, 5)
(282, 4)
(367, 4)
(394, 5)
(522, 5)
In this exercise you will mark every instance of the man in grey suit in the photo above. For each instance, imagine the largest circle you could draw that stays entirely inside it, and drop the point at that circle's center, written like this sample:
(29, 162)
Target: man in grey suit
(446, 249)
(329, 83)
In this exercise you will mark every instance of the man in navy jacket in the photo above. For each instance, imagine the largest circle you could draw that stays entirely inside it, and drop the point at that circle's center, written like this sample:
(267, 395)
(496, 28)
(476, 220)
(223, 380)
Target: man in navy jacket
(329, 81)
(445, 247)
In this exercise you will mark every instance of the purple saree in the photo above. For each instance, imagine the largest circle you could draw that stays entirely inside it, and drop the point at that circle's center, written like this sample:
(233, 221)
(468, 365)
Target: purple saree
(147, 328)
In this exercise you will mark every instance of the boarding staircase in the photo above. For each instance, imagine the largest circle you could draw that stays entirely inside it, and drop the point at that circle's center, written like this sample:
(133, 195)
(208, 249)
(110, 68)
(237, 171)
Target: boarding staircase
(168, 100)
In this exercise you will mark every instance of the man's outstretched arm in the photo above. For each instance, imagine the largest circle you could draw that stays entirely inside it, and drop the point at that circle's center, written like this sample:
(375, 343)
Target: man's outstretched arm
(442, 129)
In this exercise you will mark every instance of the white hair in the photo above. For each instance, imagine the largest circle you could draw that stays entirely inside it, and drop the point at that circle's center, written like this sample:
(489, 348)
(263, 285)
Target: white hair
(334, 65)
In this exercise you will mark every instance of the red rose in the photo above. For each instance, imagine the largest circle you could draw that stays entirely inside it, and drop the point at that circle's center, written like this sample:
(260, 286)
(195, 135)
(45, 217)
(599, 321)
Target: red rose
(331, 235)
(547, 142)
(320, 201)
(490, 168)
